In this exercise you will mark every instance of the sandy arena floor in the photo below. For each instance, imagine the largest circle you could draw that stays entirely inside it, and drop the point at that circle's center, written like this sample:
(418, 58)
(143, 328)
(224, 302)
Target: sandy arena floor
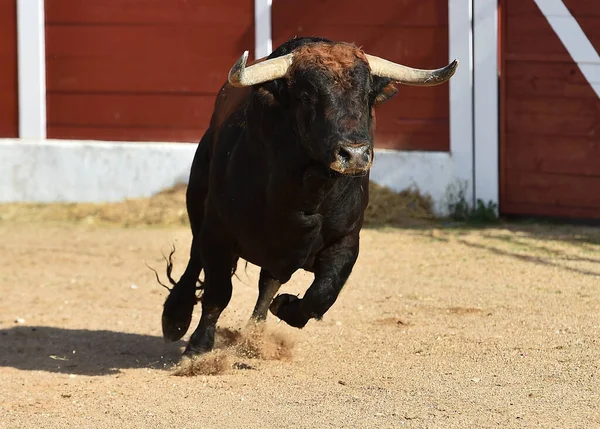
(436, 328)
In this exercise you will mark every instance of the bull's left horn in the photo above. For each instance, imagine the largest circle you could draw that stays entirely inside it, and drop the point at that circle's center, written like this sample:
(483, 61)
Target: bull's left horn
(264, 71)
(410, 76)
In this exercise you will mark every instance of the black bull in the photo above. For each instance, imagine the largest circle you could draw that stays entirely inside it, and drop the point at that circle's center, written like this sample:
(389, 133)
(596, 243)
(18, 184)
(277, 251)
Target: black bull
(280, 179)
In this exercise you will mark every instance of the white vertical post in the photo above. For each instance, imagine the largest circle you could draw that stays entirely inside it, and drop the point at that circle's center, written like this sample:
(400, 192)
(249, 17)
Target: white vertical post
(486, 112)
(262, 28)
(461, 93)
(32, 68)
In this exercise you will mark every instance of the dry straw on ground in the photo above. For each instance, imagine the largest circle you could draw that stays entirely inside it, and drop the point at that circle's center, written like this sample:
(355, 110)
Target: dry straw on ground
(167, 208)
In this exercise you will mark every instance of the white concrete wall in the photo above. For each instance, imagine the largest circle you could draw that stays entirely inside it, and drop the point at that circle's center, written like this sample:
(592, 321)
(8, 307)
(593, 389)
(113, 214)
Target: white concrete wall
(91, 171)
(432, 173)
(87, 171)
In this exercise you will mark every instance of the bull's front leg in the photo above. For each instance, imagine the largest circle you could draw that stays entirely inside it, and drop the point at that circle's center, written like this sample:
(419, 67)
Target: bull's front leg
(332, 268)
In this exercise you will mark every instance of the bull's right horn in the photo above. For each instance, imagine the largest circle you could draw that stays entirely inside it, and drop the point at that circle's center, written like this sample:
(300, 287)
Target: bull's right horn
(264, 71)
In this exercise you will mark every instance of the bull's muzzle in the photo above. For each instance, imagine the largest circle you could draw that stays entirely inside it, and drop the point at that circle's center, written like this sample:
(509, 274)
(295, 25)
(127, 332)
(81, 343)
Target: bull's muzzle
(352, 159)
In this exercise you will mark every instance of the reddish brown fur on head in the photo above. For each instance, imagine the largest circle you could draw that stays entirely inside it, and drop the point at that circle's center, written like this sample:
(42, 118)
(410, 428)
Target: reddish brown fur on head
(334, 59)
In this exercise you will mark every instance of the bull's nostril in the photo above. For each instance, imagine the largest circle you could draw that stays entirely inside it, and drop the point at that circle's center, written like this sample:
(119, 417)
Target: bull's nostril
(352, 158)
(344, 155)
(367, 156)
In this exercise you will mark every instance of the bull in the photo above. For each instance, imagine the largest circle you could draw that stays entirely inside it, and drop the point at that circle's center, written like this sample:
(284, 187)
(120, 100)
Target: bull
(280, 179)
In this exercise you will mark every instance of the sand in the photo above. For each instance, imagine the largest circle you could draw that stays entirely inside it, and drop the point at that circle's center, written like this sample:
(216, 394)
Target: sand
(436, 328)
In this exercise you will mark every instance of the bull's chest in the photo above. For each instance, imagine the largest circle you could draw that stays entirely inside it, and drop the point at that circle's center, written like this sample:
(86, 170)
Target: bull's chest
(293, 241)
(293, 222)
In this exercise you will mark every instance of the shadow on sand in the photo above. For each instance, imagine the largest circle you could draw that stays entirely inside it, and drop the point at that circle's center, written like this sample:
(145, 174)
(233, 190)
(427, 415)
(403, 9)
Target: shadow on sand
(530, 240)
(83, 352)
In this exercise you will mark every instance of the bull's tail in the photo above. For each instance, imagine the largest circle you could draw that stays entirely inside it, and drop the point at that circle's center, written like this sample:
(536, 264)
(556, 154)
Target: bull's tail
(183, 296)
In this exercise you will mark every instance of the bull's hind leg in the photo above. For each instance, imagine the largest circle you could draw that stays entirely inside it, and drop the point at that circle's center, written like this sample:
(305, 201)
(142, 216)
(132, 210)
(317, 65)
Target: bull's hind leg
(179, 306)
(267, 288)
(216, 295)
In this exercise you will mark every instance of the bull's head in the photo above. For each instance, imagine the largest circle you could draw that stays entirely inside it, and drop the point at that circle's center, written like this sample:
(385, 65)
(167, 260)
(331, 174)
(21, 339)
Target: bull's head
(329, 91)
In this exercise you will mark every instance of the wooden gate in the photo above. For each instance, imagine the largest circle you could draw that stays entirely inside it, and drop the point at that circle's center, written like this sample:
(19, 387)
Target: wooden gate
(413, 32)
(550, 116)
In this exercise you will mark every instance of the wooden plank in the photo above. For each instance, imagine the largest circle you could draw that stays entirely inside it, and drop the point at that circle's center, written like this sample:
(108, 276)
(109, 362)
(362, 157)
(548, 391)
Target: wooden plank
(541, 58)
(553, 154)
(527, 71)
(553, 189)
(85, 111)
(416, 122)
(438, 94)
(550, 106)
(535, 36)
(130, 74)
(178, 12)
(583, 8)
(409, 138)
(550, 210)
(130, 110)
(9, 113)
(528, 8)
(151, 58)
(404, 140)
(411, 124)
(552, 125)
(107, 42)
(402, 107)
(191, 135)
(526, 79)
(516, 8)
(588, 18)
(393, 13)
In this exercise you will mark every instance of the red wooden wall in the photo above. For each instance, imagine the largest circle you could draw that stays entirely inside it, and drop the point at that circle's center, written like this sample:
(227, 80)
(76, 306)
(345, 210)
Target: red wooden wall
(413, 32)
(550, 129)
(9, 112)
(140, 70)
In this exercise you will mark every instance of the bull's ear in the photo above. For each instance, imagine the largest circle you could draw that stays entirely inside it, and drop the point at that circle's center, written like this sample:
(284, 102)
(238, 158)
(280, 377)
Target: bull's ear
(273, 91)
(383, 90)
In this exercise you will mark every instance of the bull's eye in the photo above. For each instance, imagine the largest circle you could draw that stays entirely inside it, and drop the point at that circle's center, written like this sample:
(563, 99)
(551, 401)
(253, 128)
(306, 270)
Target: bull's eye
(305, 98)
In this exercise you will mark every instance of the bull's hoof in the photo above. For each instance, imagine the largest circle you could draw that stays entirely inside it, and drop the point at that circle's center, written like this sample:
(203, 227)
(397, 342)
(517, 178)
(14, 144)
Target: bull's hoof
(195, 351)
(202, 341)
(177, 314)
(287, 308)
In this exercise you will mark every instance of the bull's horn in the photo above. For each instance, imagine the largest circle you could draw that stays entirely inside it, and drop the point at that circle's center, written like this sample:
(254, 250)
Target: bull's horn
(264, 71)
(408, 75)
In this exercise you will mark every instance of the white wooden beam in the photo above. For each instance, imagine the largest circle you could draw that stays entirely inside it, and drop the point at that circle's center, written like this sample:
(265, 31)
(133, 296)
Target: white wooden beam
(574, 39)
(262, 28)
(461, 93)
(485, 108)
(32, 69)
